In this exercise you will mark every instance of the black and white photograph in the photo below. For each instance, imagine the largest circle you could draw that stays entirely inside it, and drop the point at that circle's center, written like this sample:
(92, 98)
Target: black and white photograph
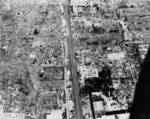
(74, 59)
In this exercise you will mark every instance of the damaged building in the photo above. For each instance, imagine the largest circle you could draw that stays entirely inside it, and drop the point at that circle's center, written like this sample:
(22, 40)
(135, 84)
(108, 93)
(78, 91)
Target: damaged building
(52, 54)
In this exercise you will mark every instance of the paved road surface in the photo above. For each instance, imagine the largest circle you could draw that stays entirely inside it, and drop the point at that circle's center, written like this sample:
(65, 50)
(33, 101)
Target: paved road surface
(73, 68)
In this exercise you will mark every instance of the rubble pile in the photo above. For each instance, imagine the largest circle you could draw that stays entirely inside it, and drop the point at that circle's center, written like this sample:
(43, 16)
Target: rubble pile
(111, 39)
(116, 37)
(31, 58)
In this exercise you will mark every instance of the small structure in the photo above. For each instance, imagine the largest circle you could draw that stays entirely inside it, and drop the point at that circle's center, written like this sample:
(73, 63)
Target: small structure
(97, 103)
(79, 2)
(47, 101)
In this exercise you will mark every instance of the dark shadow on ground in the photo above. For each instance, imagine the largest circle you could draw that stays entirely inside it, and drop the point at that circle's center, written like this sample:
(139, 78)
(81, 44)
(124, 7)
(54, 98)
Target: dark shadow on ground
(141, 103)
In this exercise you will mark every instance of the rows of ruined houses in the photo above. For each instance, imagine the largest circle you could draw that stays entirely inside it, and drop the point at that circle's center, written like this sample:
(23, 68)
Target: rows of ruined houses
(108, 32)
(118, 27)
(86, 58)
(32, 34)
(86, 53)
